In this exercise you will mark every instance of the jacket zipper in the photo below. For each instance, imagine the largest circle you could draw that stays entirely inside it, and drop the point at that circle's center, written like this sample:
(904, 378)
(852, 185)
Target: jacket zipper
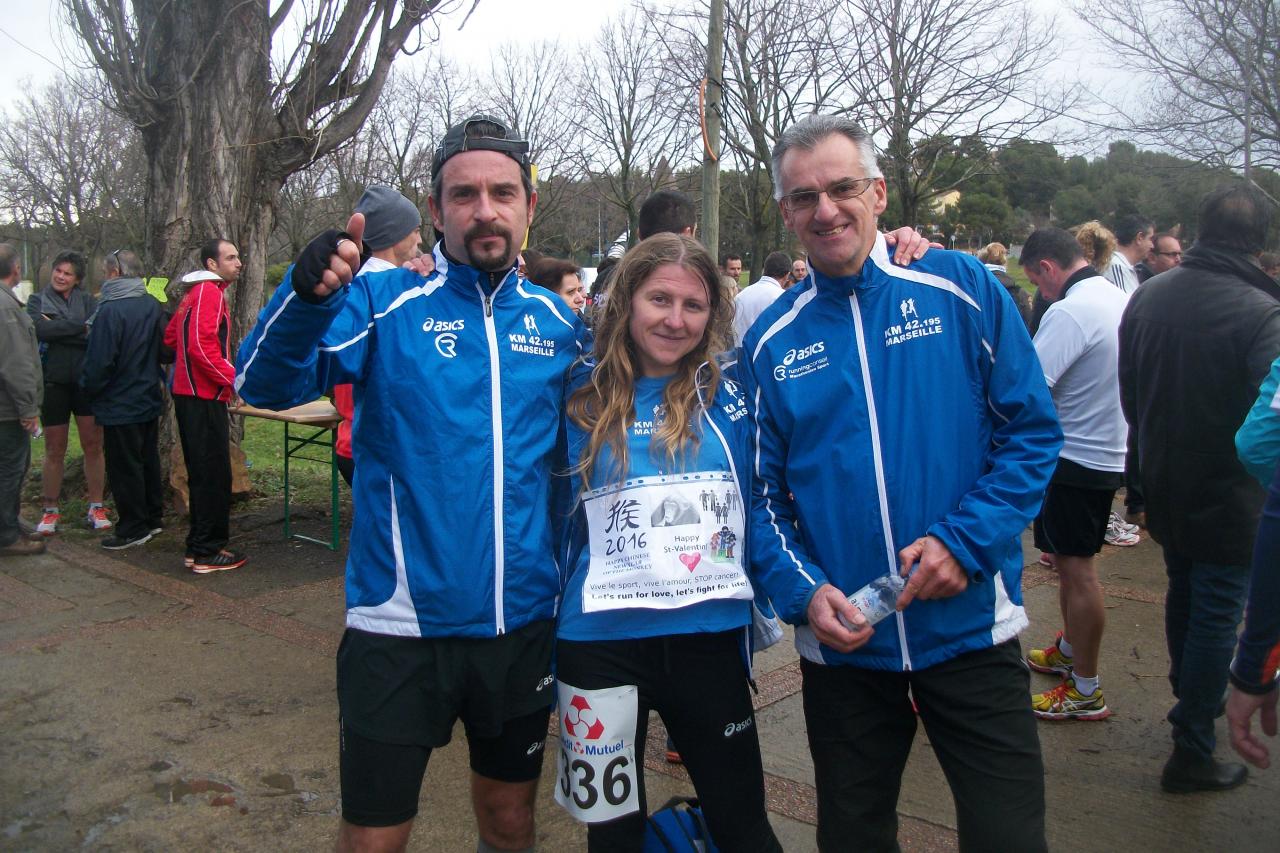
(881, 493)
(495, 407)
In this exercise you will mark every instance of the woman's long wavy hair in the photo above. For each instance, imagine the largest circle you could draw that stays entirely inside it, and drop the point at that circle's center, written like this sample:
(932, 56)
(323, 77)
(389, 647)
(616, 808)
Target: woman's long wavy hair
(1097, 242)
(605, 406)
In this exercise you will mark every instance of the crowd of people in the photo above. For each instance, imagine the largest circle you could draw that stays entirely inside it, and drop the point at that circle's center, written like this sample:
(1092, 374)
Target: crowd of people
(546, 488)
(106, 360)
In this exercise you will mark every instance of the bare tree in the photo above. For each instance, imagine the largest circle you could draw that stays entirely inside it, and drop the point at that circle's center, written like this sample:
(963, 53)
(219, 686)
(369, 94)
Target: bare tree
(628, 109)
(780, 65)
(71, 172)
(932, 72)
(1215, 72)
(528, 86)
(231, 99)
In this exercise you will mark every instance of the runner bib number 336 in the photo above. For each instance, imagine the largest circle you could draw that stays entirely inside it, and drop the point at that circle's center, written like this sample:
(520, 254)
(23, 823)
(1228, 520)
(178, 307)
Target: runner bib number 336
(597, 762)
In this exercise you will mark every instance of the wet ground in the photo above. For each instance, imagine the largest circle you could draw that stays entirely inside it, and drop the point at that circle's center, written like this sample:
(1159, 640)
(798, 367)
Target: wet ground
(143, 707)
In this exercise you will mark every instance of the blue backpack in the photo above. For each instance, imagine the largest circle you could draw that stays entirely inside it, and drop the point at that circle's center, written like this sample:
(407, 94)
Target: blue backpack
(678, 827)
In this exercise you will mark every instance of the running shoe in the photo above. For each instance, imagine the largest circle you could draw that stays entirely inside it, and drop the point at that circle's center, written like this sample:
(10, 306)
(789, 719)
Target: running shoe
(673, 755)
(97, 518)
(1046, 560)
(119, 543)
(1064, 702)
(188, 560)
(1120, 523)
(1050, 659)
(1121, 534)
(223, 561)
(49, 522)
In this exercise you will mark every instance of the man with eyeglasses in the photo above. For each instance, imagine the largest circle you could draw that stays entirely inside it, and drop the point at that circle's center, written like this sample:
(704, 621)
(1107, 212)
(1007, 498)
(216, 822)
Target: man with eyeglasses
(1165, 254)
(903, 427)
(452, 578)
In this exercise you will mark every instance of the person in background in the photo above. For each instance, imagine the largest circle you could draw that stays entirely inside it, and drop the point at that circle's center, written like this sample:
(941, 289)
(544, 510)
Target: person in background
(1270, 263)
(393, 231)
(731, 267)
(21, 387)
(1195, 345)
(60, 312)
(123, 379)
(755, 297)
(1098, 244)
(1076, 345)
(1165, 254)
(562, 278)
(995, 256)
(203, 376)
(1133, 244)
(799, 269)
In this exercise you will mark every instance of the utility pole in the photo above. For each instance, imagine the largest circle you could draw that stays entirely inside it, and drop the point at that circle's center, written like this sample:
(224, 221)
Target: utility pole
(709, 101)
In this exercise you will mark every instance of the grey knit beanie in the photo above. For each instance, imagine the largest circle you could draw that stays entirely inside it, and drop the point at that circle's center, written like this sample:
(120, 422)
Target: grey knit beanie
(388, 217)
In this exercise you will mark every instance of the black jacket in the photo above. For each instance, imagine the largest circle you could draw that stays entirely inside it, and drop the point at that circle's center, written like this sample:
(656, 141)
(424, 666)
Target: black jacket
(62, 340)
(122, 372)
(1195, 344)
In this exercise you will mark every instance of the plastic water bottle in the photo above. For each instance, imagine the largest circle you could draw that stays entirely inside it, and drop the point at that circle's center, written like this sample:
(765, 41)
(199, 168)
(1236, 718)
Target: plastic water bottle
(878, 599)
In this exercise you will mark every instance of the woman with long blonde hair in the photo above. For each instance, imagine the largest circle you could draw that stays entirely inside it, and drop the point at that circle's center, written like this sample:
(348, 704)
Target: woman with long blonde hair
(657, 606)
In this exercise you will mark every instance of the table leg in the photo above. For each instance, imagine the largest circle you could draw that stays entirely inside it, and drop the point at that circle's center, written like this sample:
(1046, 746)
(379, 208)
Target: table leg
(287, 453)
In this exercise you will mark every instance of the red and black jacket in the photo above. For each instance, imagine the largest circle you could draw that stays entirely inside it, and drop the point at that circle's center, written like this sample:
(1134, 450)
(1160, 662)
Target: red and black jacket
(200, 335)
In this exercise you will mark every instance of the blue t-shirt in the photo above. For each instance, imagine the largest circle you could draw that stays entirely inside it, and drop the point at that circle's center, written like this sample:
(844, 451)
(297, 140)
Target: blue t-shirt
(709, 465)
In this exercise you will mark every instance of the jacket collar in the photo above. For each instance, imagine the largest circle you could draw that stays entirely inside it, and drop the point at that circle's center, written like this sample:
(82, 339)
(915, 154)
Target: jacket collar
(468, 277)
(8, 288)
(862, 279)
(1215, 259)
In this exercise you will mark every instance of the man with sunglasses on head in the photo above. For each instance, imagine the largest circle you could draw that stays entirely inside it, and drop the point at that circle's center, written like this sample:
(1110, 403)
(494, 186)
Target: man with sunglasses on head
(902, 414)
(452, 578)
(122, 378)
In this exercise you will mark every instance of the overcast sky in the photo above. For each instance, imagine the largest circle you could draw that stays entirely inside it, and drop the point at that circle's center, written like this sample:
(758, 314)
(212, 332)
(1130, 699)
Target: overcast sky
(32, 40)
(31, 32)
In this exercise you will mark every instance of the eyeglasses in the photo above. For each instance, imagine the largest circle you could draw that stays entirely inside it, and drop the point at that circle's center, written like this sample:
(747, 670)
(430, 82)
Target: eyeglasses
(115, 261)
(1168, 254)
(841, 190)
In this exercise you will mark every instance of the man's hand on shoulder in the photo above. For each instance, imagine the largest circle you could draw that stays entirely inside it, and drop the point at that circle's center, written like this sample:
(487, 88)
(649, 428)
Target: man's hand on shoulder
(910, 245)
(825, 608)
(937, 574)
(330, 261)
(424, 265)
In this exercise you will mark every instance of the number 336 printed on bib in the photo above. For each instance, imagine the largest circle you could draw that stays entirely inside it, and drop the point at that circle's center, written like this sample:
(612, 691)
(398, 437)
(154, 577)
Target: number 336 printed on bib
(597, 762)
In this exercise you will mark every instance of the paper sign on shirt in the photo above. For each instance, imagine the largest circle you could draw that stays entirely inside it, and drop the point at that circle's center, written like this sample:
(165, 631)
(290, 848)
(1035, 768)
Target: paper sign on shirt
(664, 542)
(597, 761)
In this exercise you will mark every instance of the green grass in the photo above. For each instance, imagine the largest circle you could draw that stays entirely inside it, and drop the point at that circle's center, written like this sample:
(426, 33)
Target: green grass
(263, 446)
(1016, 273)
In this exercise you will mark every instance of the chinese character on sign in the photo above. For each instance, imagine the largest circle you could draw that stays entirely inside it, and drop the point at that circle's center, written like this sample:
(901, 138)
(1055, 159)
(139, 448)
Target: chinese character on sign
(622, 516)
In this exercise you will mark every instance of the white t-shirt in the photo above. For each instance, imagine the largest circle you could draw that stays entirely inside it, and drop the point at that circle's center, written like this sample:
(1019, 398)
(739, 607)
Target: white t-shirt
(1078, 343)
(375, 265)
(1122, 274)
(750, 304)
